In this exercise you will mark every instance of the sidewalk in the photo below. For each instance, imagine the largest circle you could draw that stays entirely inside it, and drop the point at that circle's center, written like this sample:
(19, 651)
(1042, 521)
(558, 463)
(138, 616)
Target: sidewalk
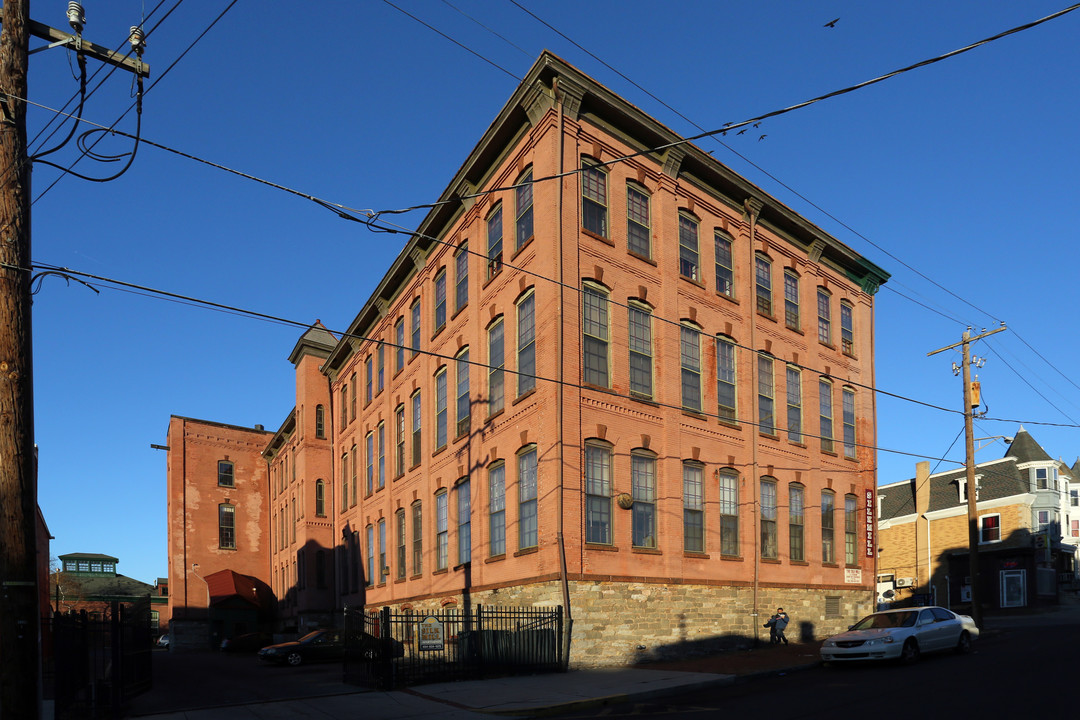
(527, 696)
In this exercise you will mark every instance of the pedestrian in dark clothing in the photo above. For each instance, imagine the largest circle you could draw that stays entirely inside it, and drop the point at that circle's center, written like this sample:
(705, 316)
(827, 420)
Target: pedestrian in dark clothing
(777, 623)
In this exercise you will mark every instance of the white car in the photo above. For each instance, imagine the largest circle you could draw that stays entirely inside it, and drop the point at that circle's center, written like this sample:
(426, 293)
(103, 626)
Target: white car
(902, 634)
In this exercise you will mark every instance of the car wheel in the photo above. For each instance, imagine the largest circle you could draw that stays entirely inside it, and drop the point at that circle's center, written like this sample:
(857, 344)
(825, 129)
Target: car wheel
(294, 658)
(910, 653)
(963, 645)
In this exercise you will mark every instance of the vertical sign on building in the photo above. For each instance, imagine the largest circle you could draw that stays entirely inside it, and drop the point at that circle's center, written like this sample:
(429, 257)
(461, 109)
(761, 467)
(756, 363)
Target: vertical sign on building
(870, 550)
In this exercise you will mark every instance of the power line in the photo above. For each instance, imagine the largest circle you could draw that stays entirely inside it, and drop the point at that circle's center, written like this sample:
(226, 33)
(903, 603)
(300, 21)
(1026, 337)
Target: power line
(231, 309)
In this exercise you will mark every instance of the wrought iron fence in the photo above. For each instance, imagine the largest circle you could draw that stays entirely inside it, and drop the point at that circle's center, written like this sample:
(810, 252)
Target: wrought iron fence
(99, 663)
(387, 650)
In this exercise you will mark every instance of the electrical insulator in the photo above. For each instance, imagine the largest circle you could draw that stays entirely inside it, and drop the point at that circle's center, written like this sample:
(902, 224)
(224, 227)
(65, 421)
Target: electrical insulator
(976, 399)
(137, 39)
(76, 17)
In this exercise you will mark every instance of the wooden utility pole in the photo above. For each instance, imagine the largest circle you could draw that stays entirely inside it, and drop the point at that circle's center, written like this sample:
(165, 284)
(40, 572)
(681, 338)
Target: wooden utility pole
(20, 658)
(19, 623)
(970, 403)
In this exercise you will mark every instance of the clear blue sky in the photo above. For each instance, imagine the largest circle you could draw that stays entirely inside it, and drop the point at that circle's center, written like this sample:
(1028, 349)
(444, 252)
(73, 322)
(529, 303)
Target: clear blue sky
(965, 171)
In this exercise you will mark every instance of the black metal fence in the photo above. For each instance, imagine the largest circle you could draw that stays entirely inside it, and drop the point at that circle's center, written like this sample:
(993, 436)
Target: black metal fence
(99, 663)
(387, 650)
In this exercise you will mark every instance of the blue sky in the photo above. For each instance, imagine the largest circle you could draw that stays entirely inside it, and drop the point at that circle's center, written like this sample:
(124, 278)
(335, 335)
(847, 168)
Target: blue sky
(965, 171)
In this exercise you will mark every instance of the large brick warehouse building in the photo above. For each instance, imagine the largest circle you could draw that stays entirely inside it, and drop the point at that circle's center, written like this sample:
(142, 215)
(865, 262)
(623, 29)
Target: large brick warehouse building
(599, 374)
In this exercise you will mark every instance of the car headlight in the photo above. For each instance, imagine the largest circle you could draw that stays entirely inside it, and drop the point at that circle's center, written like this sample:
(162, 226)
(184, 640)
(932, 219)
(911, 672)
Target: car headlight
(881, 640)
(830, 643)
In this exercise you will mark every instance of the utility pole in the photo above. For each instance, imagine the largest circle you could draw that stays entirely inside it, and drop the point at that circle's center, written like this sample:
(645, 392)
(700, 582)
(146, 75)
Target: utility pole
(20, 660)
(970, 403)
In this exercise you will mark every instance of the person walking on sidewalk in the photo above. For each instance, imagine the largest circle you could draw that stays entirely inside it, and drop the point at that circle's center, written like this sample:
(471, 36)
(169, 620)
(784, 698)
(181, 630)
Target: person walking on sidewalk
(777, 623)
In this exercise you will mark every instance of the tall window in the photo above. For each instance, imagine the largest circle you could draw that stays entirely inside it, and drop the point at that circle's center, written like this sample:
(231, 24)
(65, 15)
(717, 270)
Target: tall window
(370, 555)
(399, 340)
(442, 526)
(794, 404)
(382, 455)
(769, 538)
(523, 197)
(414, 339)
(370, 487)
(851, 528)
(226, 474)
(497, 508)
(461, 277)
(725, 274)
(382, 551)
(354, 462)
(766, 394)
(440, 408)
(440, 299)
(725, 379)
(828, 525)
(826, 414)
(643, 488)
(320, 422)
(344, 482)
(824, 317)
(594, 199)
(417, 420)
(464, 400)
(399, 441)
(729, 513)
(796, 521)
(640, 350)
(763, 283)
(417, 538)
(369, 379)
(227, 526)
(638, 238)
(791, 299)
(598, 494)
(689, 258)
(693, 508)
(352, 398)
(527, 519)
(595, 329)
(690, 361)
(526, 345)
(847, 400)
(399, 527)
(495, 242)
(380, 354)
(496, 394)
(320, 498)
(464, 518)
(847, 330)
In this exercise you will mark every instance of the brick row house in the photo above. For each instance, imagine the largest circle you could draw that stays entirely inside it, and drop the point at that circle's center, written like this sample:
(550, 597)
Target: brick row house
(620, 380)
(1028, 507)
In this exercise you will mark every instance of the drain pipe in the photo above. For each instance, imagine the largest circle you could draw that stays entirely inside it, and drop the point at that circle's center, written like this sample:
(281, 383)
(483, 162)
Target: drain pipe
(752, 208)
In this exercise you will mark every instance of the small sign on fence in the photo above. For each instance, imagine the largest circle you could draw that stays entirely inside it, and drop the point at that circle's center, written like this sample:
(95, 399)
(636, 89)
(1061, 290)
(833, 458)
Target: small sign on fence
(431, 635)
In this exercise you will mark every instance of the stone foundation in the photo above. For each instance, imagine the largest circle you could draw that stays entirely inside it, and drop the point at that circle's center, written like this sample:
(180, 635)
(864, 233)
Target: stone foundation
(621, 623)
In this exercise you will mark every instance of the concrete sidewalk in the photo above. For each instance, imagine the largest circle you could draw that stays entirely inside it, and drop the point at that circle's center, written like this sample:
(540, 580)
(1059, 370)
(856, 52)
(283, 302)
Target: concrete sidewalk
(526, 696)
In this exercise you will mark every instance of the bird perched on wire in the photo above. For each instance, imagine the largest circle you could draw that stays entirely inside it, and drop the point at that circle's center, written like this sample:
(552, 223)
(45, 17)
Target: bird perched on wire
(831, 23)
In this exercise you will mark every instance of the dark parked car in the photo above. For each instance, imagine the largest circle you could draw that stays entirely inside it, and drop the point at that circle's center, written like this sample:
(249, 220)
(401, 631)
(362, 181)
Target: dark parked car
(317, 646)
(248, 642)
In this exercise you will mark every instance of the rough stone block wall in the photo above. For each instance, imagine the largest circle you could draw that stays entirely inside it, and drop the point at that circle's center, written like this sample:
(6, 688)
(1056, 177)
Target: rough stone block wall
(621, 623)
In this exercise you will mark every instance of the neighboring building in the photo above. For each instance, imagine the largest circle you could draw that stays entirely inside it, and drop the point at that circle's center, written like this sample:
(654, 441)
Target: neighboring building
(218, 503)
(89, 582)
(641, 390)
(1027, 512)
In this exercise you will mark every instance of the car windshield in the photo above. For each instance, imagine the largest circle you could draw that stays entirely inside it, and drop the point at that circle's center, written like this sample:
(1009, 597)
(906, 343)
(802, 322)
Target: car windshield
(310, 637)
(886, 620)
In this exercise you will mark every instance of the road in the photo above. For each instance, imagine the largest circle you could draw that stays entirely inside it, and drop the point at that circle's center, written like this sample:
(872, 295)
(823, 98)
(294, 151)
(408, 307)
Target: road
(1023, 670)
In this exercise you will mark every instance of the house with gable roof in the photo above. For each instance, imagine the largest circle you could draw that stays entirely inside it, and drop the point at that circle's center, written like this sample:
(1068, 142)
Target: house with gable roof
(1029, 531)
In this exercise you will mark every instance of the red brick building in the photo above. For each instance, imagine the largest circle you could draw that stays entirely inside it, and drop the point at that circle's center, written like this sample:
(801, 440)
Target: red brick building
(599, 375)
(640, 389)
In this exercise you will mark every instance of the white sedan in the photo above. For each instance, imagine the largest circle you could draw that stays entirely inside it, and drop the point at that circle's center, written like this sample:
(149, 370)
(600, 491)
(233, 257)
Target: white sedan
(902, 634)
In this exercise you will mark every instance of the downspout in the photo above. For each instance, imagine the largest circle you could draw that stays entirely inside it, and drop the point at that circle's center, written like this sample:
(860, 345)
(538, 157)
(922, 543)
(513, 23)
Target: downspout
(563, 579)
(873, 409)
(752, 214)
(183, 474)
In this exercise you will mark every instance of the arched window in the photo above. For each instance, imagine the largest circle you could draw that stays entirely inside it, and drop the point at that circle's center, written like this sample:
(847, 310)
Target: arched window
(227, 526)
(226, 473)
(523, 200)
(320, 498)
(320, 422)
(643, 492)
(593, 198)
